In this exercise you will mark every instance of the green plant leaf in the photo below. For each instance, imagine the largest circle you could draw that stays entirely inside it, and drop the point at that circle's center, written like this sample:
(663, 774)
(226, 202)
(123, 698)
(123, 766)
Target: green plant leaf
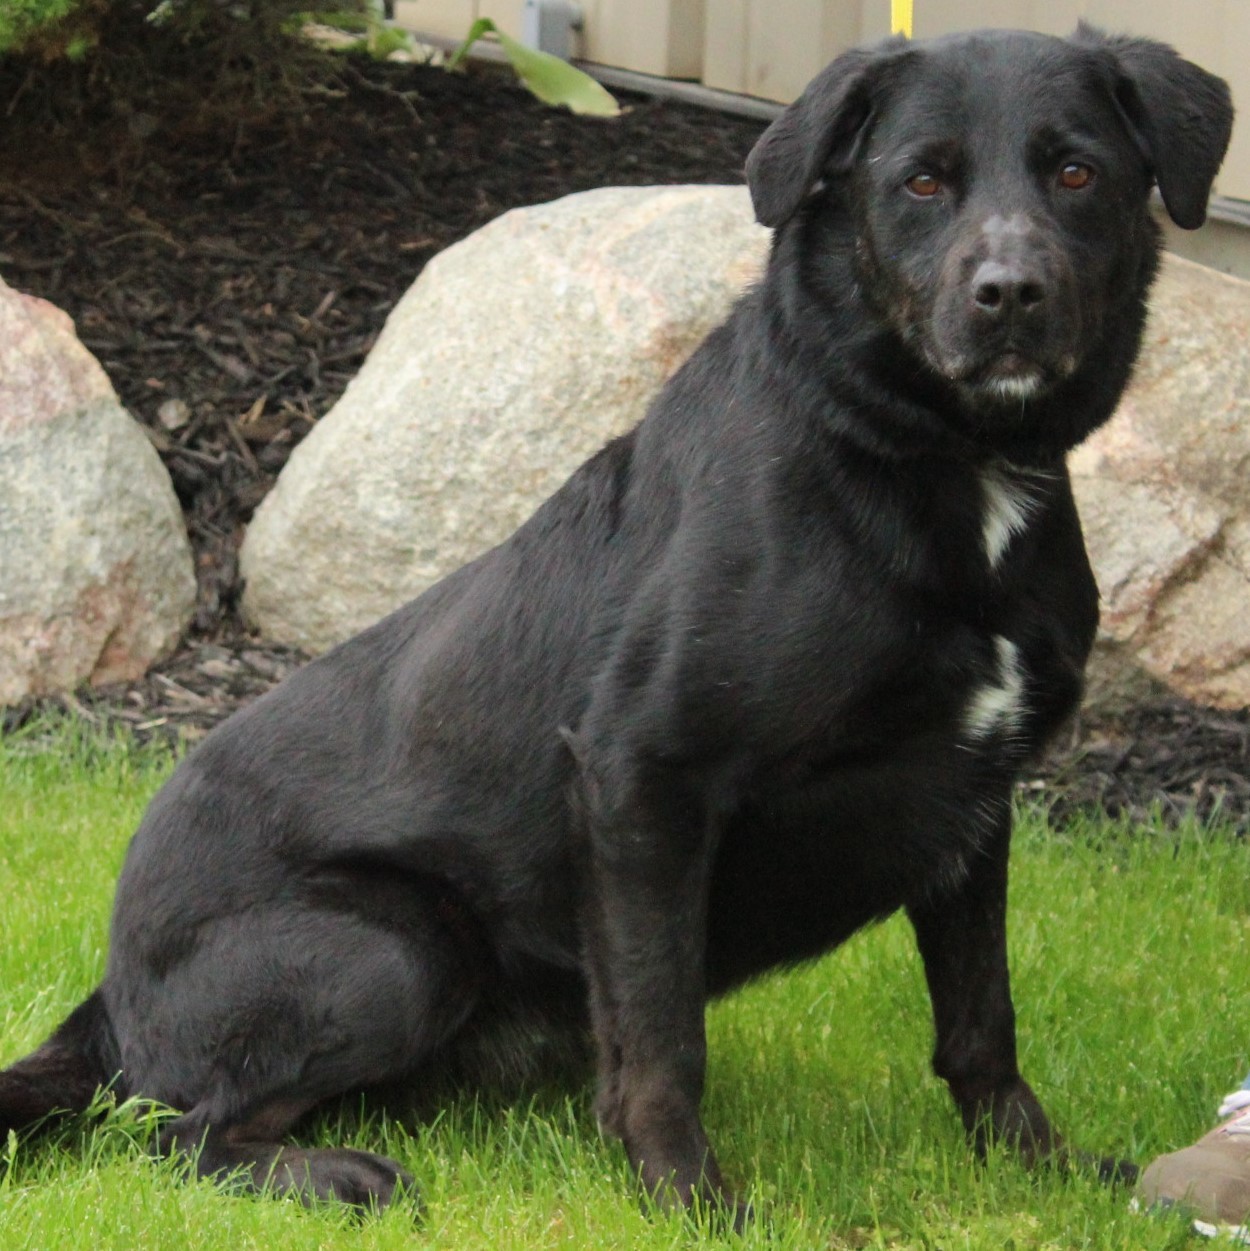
(386, 39)
(549, 78)
(476, 31)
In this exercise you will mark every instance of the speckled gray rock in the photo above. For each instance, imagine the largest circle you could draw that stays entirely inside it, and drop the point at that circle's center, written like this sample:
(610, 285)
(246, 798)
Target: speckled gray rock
(96, 579)
(1164, 495)
(517, 354)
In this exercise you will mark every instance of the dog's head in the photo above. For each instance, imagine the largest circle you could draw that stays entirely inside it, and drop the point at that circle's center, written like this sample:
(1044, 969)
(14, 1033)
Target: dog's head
(994, 188)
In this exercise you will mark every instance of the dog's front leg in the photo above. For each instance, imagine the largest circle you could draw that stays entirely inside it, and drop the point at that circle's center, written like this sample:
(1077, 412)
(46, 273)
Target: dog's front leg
(962, 935)
(650, 844)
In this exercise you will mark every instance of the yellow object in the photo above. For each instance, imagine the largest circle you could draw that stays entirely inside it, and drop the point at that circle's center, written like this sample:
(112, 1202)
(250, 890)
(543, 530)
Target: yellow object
(900, 17)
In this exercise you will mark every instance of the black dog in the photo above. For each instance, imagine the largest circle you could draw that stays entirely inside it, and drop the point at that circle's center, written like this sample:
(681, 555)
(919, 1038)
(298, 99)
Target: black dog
(760, 673)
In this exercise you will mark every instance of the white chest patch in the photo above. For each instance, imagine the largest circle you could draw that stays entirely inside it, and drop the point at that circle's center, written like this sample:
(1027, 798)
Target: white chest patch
(1008, 506)
(998, 706)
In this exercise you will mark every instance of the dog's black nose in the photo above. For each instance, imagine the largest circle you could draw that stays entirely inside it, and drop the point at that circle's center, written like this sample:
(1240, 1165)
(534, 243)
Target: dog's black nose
(1001, 290)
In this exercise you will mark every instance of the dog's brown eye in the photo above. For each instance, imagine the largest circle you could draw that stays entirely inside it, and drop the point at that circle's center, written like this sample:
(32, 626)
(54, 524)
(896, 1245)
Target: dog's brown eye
(1074, 176)
(923, 185)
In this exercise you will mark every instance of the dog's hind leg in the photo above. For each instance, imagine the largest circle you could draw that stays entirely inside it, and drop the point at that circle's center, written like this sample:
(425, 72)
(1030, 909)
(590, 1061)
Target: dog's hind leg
(347, 984)
(248, 1152)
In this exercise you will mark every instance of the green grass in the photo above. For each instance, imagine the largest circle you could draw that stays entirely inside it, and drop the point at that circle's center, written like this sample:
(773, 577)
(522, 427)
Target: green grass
(1131, 986)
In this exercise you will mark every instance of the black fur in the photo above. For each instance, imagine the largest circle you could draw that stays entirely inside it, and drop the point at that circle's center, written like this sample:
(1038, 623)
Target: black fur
(762, 672)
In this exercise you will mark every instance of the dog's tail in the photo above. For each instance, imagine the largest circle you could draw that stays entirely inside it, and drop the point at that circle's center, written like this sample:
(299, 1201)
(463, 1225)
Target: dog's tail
(62, 1077)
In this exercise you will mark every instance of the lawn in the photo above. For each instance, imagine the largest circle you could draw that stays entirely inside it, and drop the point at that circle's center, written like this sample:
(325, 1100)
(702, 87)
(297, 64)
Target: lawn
(1131, 985)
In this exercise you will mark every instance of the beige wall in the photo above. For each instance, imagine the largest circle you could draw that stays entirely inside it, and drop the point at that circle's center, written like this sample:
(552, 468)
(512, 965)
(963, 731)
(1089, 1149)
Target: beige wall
(449, 19)
(663, 37)
(652, 36)
(771, 48)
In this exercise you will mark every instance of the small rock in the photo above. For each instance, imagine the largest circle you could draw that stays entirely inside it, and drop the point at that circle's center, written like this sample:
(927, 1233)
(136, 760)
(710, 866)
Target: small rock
(174, 414)
(95, 568)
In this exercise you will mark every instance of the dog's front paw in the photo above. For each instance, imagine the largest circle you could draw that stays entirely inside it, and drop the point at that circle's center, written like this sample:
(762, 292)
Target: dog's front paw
(715, 1208)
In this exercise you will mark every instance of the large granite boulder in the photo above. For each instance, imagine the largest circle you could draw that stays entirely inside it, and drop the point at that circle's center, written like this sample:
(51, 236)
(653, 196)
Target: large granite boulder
(96, 577)
(1164, 495)
(521, 350)
(517, 353)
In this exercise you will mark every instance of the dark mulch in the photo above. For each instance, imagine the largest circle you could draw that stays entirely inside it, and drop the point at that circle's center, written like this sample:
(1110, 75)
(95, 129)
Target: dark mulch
(1169, 757)
(232, 279)
(230, 256)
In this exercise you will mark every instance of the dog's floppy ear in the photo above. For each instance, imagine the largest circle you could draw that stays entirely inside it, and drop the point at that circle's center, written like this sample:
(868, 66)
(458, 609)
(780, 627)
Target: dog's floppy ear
(819, 132)
(1182, 117)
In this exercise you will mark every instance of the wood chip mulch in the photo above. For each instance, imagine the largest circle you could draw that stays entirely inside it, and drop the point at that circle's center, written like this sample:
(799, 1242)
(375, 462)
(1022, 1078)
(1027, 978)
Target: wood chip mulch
(231, 279)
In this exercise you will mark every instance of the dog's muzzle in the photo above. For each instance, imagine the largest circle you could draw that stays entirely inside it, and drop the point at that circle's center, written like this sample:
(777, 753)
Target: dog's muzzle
(1006, 322)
